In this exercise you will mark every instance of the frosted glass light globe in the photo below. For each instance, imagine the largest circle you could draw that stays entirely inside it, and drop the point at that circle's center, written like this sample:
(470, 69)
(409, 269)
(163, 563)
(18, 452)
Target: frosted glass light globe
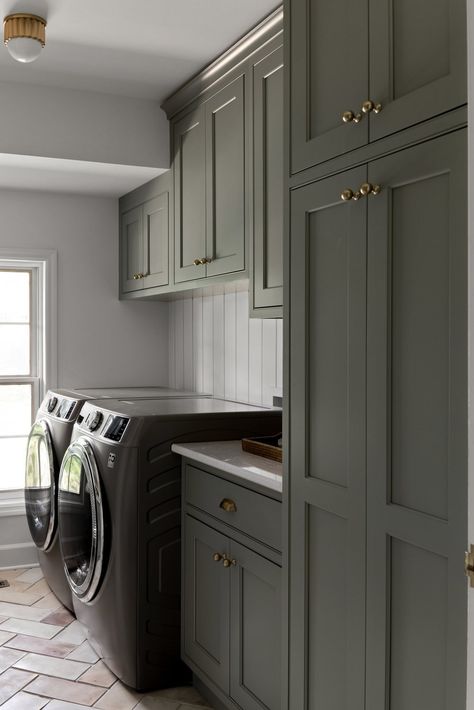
(24, 49)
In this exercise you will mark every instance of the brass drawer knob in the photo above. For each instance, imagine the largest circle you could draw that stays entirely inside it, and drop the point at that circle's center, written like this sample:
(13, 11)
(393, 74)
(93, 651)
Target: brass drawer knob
(351, 117)
(217, 557)
(197, 262)
(368, 189)
(369, 106)
(228, 505)
(204, 260)
(347, 195)
(229, 562)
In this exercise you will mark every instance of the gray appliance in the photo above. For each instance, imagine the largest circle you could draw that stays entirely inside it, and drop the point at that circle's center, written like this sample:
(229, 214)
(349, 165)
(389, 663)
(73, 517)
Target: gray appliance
(120, 524)
(48, 440)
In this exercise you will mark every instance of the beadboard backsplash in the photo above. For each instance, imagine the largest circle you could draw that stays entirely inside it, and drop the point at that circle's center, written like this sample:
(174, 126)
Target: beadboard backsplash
(215, 347)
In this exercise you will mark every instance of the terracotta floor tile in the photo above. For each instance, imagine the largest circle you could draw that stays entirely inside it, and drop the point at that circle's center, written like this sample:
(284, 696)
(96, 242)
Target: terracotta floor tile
(57, 667)
(40, 587)
(23, 701)
(15, 595)
(5, 636)
(84, 653)
(8, 657)
(60, 689)
(63, 705)
(74, 633)
(187, 695)
(12, 681)
(118, 698)
(30, 628)
(99, 675)
(32, 575)
(49, 602)
(11, 573)
(61, 617)
(19, 611)
(44, 646)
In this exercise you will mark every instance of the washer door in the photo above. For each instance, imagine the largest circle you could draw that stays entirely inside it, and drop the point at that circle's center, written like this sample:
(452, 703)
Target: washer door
(81, 519)
(40, 485)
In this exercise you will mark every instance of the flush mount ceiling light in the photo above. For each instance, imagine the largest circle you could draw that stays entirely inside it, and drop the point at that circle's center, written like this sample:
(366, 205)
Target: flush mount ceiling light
(24, 36)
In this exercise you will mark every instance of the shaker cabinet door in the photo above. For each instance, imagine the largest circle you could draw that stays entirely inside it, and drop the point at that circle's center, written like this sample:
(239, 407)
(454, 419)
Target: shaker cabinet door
(255, 662)
(131, 250)
(417, 61)
(206, 601)
(417, 421)
(225, 180)
(268, 171)
(190, 196)
(327, 344)
(156, 238)
(328, 77)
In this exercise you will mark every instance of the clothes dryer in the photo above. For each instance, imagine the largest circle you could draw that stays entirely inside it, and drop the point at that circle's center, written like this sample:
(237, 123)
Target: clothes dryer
(120, 524)
(48, 440)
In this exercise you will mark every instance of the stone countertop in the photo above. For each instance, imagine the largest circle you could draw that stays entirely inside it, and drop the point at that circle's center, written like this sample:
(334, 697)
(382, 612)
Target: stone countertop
(228, 456)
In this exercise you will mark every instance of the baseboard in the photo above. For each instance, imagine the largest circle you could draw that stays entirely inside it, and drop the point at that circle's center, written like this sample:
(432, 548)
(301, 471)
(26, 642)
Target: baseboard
(22, 554)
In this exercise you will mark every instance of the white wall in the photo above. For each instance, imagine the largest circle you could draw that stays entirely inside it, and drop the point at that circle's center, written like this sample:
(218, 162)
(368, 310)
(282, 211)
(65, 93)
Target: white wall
(82, 125)
(101, 341)
(216, 348)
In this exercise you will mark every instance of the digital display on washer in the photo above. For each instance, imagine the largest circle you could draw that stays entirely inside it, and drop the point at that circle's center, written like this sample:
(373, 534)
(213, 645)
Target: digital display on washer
(115, 428)
(66, 408)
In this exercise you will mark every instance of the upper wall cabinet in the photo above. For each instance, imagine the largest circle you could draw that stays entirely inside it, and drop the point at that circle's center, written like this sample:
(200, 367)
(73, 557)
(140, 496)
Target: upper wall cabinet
(144, 237)
(361, 71)
(266, 278)
(210, 186)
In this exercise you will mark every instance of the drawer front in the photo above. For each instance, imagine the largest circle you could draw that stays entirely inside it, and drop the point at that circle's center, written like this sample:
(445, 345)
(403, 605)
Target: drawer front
(250, 512)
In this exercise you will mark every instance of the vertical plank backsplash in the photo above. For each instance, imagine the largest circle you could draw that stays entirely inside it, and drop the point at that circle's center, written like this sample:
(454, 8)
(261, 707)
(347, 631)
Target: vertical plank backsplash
(215, 347)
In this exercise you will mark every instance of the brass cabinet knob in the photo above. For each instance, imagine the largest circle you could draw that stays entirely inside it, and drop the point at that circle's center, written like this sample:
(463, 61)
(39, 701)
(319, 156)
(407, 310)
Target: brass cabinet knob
(368, 189)
(226, 562)
(217, 557)
(351, 117)
(347, 195)
(204, 260)
(229, 562)
(138, 276)
(228, 505)
(369, 106)
(197, 262)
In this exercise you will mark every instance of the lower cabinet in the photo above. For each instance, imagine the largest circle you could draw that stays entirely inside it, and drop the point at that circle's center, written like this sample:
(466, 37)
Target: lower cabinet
(231, 616)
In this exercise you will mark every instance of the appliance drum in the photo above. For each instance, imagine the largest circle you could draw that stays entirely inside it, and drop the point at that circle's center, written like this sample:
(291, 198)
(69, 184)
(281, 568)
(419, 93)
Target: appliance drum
(81, 520)
(40, 486)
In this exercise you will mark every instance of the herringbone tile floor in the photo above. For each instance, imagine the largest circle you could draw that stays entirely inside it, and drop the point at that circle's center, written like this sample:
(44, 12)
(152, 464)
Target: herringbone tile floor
(46, 662)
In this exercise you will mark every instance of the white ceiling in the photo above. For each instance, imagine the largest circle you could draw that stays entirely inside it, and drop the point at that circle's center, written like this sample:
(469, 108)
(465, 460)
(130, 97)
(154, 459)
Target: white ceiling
(137, 48)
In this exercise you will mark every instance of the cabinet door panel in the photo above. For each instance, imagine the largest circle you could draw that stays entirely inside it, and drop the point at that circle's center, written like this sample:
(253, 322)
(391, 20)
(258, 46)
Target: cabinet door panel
(156, 236)
(206, 605)
(417, 61)
(255, 664)
(327, 456)
(267, 272)
(190, 196)
(329, 60)
(416, 419)
(225, 168)
(131, 249)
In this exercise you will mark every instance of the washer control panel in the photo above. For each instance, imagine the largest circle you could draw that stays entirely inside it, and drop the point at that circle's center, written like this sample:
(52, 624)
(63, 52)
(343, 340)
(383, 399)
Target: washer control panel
(115, 427)
(94, 420)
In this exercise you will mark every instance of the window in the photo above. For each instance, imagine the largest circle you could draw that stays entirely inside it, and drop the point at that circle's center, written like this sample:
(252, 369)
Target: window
(24, 348)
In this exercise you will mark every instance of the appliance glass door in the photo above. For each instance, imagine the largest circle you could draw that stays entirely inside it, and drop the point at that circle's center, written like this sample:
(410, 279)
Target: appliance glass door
(40, 486)
(80, 517)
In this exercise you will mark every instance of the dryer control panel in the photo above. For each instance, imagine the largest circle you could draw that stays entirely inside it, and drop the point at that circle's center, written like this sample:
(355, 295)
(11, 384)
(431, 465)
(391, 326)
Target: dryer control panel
(115, 427)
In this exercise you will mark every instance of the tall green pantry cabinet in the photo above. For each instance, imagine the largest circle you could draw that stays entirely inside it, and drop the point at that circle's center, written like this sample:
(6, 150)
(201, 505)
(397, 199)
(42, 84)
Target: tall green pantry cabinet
(376, 354)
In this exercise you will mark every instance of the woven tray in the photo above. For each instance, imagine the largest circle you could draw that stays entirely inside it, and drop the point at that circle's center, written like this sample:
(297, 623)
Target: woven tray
(266, 446)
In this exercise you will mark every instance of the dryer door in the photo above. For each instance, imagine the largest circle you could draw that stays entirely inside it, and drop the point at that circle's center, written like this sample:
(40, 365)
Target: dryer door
(81, 519)
(40, 485)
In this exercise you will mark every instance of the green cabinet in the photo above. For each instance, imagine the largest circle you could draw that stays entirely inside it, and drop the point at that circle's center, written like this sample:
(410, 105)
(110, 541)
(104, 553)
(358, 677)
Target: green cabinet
(266, 277)
(210, 186)
(231, 595)
(378, 431)
(144, 237)
(348, 60)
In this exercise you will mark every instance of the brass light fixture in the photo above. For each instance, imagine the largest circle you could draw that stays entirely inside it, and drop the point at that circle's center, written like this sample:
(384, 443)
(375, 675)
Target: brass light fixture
(24, 36)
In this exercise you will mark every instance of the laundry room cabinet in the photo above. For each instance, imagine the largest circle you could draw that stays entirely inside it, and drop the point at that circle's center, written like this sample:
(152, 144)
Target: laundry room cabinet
(378, 369)
(361, 71)
(232, 590)
(145, 236)
(210, 186)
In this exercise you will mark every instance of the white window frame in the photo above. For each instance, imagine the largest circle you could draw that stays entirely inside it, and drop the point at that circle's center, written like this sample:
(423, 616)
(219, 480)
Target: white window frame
(42, 263)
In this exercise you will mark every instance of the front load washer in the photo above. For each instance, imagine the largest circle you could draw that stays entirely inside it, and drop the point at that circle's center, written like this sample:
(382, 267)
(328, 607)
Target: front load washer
(48, 440)
(119, 516)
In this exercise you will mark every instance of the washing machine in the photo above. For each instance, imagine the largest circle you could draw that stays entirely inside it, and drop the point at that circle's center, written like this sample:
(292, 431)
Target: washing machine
(48, 440)
(119, 515)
